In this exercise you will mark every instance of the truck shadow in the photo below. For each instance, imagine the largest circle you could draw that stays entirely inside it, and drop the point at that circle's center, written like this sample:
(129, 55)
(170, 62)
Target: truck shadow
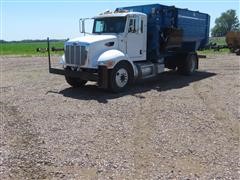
(163, 82)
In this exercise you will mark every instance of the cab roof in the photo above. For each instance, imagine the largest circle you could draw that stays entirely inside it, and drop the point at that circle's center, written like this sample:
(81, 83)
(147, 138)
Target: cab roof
(117, 14)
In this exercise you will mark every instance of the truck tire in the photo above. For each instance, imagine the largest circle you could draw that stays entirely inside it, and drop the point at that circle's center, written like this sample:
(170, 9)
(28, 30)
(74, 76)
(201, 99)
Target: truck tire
(238, 52)
(189, 64)
(75, 82)
(172, 67)
(120, 77)
(231, 49)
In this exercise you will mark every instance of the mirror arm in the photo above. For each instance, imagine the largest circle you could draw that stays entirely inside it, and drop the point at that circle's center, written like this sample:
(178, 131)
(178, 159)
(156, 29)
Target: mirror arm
(80, 23)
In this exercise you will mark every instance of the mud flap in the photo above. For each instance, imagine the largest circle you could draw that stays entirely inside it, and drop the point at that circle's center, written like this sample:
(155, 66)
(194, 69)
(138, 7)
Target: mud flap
(103, 78)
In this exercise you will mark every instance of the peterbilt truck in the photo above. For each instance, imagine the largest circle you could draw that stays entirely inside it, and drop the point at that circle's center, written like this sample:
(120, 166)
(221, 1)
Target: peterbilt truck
(134, 43)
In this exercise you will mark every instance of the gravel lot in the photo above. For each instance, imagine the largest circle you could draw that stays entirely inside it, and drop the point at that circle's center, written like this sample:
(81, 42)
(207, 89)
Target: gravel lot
(172, 127)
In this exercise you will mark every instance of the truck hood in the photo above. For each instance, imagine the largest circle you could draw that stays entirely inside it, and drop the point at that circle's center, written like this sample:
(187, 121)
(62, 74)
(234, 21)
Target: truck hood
(89, 39)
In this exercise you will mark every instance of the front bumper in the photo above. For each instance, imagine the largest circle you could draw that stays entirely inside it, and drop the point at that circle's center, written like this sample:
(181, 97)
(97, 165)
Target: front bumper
(101, 75)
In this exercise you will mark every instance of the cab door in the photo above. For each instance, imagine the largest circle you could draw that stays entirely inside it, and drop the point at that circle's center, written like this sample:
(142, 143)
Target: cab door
(136, 38)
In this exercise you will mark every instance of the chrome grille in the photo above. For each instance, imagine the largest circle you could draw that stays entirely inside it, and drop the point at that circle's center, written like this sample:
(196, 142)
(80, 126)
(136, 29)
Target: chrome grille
(75, 55)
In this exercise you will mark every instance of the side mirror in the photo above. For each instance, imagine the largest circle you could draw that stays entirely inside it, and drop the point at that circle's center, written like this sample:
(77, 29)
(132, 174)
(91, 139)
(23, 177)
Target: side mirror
(82, 25)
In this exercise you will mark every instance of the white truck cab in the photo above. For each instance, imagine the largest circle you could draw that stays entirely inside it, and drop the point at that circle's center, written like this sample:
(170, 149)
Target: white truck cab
(115, 37)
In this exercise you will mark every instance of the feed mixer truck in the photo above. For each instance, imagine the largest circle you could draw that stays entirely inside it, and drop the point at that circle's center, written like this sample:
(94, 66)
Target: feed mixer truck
(134, 43)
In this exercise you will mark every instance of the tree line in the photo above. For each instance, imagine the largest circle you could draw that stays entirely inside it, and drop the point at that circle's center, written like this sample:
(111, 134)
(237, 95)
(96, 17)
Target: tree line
(228, 21)
(31, 41)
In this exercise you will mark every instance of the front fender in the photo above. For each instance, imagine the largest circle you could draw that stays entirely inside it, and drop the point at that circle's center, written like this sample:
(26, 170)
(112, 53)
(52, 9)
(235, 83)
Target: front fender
(111, 57)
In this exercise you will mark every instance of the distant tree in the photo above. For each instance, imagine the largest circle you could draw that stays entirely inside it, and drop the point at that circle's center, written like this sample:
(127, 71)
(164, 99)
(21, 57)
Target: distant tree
(2, 41)
(228, 21)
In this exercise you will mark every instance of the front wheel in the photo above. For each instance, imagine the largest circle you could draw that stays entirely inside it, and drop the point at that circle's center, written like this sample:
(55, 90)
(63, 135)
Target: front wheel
(120, 77)
(75, 82)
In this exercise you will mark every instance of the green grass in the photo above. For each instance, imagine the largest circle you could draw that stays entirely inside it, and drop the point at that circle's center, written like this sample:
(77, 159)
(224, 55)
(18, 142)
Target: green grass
(218, 40)
(27, 48)
(212, 52)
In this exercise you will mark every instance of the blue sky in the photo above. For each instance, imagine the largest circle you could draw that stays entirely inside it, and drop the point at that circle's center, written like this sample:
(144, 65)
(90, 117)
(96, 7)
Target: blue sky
(25, 19)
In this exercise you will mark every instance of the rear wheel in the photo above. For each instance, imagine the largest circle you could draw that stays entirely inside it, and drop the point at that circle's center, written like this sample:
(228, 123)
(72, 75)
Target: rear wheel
(188, 64)
(238, 52)
(120, 77)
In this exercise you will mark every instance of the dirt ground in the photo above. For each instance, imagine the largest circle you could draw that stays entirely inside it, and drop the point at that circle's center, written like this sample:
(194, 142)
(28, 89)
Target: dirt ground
(172, 127)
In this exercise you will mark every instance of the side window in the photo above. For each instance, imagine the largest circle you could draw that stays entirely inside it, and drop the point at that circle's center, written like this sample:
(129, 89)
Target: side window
(99, 26)
(132, 26)
(135, 25)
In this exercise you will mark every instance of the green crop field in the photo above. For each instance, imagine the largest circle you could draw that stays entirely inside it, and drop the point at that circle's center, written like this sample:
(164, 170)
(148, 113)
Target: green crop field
(218, 41)
(29, 48)
(26, 48)
(212, 52)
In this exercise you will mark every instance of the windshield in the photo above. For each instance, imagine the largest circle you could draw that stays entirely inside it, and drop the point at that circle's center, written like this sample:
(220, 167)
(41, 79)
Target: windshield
(109, 25)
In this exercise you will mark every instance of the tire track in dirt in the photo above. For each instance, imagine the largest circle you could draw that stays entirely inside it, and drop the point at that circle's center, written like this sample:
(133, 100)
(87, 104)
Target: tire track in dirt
(215, 103)
(204, 92)
(26, 158)
(143, 125)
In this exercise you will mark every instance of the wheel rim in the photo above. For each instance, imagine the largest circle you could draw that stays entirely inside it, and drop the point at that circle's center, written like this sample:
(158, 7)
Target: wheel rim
(121, 77)
(193, 64)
